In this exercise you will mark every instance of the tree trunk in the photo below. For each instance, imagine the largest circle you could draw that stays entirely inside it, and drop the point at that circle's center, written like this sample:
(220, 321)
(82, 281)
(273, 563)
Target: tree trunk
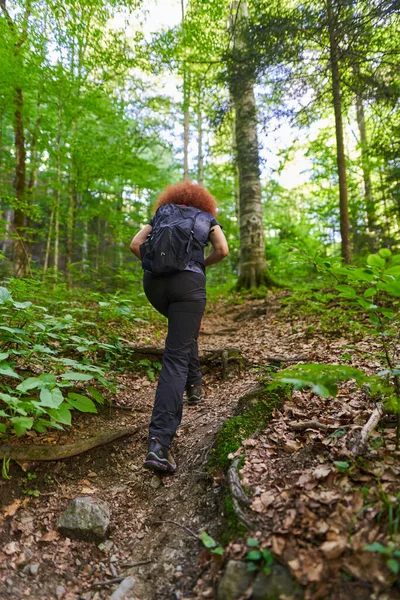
(21, 256)
(340, 156)
(186, 108)
(48, 244)
(70, 234)
(200, 156)
(252, 265)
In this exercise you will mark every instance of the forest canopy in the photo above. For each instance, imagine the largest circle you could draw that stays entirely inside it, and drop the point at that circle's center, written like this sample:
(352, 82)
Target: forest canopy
(287, 111)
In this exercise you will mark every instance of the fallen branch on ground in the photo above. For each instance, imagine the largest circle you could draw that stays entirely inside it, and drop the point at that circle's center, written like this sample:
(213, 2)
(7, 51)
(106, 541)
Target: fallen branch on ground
(107, 582)
(361, 441)
(31, 453)
(189, 531)
(300, 425)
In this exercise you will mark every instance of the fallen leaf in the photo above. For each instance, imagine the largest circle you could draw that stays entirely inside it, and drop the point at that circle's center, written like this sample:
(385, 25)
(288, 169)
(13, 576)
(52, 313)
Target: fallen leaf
(50, 536)
(333, 549)
(291, 446)
(11, 548)
(267, 498)
(11, 509)
(321, 472)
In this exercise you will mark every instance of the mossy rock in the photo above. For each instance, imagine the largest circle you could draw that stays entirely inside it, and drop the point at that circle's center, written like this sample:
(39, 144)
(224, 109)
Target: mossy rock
(278, 585)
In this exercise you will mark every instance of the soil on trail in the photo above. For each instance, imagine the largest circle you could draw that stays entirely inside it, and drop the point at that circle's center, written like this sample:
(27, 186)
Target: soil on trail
(40, 563)
(314, 513)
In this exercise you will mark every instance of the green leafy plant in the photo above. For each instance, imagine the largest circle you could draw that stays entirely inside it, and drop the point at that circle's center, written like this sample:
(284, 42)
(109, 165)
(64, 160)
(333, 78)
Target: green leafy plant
(211, 544)
(258, 558)
(374, 292)
(391, 553)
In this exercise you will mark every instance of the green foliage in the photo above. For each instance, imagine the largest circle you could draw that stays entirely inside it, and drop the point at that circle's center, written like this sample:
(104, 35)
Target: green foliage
(391, 554)
(373, 291)
(65, 352)
(211, 544)
(258, 558)
(236, 429)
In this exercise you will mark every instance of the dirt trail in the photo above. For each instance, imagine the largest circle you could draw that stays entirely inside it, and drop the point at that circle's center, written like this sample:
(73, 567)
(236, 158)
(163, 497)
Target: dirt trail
(64, 568)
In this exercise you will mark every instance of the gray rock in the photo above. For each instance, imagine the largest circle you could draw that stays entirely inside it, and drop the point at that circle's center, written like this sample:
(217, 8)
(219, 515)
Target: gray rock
(278, 585)
(34, 568)
(85, 519)
(60, 591)
(235, 580)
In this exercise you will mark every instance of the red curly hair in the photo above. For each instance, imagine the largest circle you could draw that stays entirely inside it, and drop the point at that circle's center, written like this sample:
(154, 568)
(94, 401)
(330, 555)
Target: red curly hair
(189, 193)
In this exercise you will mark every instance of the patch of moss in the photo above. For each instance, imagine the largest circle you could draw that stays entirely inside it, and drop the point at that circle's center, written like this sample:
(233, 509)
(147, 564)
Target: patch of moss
(233, 432)
(233, 528)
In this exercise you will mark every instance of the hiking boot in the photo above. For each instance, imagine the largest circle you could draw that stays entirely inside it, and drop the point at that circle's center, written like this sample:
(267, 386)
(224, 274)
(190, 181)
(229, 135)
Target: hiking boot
(159, 457)
(194, 394)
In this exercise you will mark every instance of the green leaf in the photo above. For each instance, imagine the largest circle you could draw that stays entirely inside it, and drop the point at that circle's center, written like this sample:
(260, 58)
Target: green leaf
(385, 253)
(62, 414)
(377, 547)
(374, 260)
(369, 292)
(268, 557)
(394, 565)
(5, 295)
(29, 384)
(6, 369)
(3, 356)
(51, 399)
(254, 555)
(392, 288)
(81, 403)
(347, 291)
(21, 424)
(395, 271)
(94, 392)
(3, 428)
(361, 275)
(207, 540)
(73, 376)
(341, 466)
(252, 542)
(219, 550)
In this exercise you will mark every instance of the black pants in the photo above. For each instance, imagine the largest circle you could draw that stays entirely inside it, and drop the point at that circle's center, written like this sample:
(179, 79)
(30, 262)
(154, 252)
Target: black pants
(182, 298)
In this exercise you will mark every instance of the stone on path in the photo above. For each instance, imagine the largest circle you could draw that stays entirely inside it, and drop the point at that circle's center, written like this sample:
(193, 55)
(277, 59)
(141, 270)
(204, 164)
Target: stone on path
(235, 580)
(124, 587)
(85, 519)
(278, 585)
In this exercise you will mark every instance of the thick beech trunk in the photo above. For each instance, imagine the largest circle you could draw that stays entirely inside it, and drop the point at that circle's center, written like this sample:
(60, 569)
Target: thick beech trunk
(252, 265)
(340, 155)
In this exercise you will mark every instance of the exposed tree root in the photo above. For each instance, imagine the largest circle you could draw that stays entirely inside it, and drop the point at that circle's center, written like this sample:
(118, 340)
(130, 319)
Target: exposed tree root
(238, 495)
(361, 440)
(300, 425)
(58, 452)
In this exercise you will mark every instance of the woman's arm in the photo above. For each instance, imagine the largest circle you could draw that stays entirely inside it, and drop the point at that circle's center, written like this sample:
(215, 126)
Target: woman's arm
(138, 240)
(220, 245)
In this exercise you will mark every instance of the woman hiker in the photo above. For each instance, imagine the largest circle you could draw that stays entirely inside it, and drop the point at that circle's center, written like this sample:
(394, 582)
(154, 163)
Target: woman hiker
(171, 248)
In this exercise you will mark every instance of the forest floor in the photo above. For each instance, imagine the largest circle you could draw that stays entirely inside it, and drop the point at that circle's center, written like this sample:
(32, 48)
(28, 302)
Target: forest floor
(312, 505)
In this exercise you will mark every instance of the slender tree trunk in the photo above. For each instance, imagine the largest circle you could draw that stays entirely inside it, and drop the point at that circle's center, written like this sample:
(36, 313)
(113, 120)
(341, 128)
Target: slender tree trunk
(252, 265)
(57, 203)
(85, 254)
(186, 107)
(366, 170)
(70, 233)
(56, 241)
(340, 155)
(48, 244)
(21, 256)
(200, 156)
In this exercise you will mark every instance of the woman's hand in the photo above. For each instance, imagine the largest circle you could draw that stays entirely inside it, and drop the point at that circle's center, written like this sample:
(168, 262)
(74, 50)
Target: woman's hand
(139, 239)
(220, 245)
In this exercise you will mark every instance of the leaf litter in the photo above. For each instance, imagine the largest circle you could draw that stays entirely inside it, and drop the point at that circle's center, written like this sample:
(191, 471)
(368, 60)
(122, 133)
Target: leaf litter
(315, 507)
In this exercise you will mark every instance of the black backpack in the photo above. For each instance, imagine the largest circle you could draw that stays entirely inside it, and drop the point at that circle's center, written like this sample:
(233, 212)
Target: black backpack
(172, 244)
